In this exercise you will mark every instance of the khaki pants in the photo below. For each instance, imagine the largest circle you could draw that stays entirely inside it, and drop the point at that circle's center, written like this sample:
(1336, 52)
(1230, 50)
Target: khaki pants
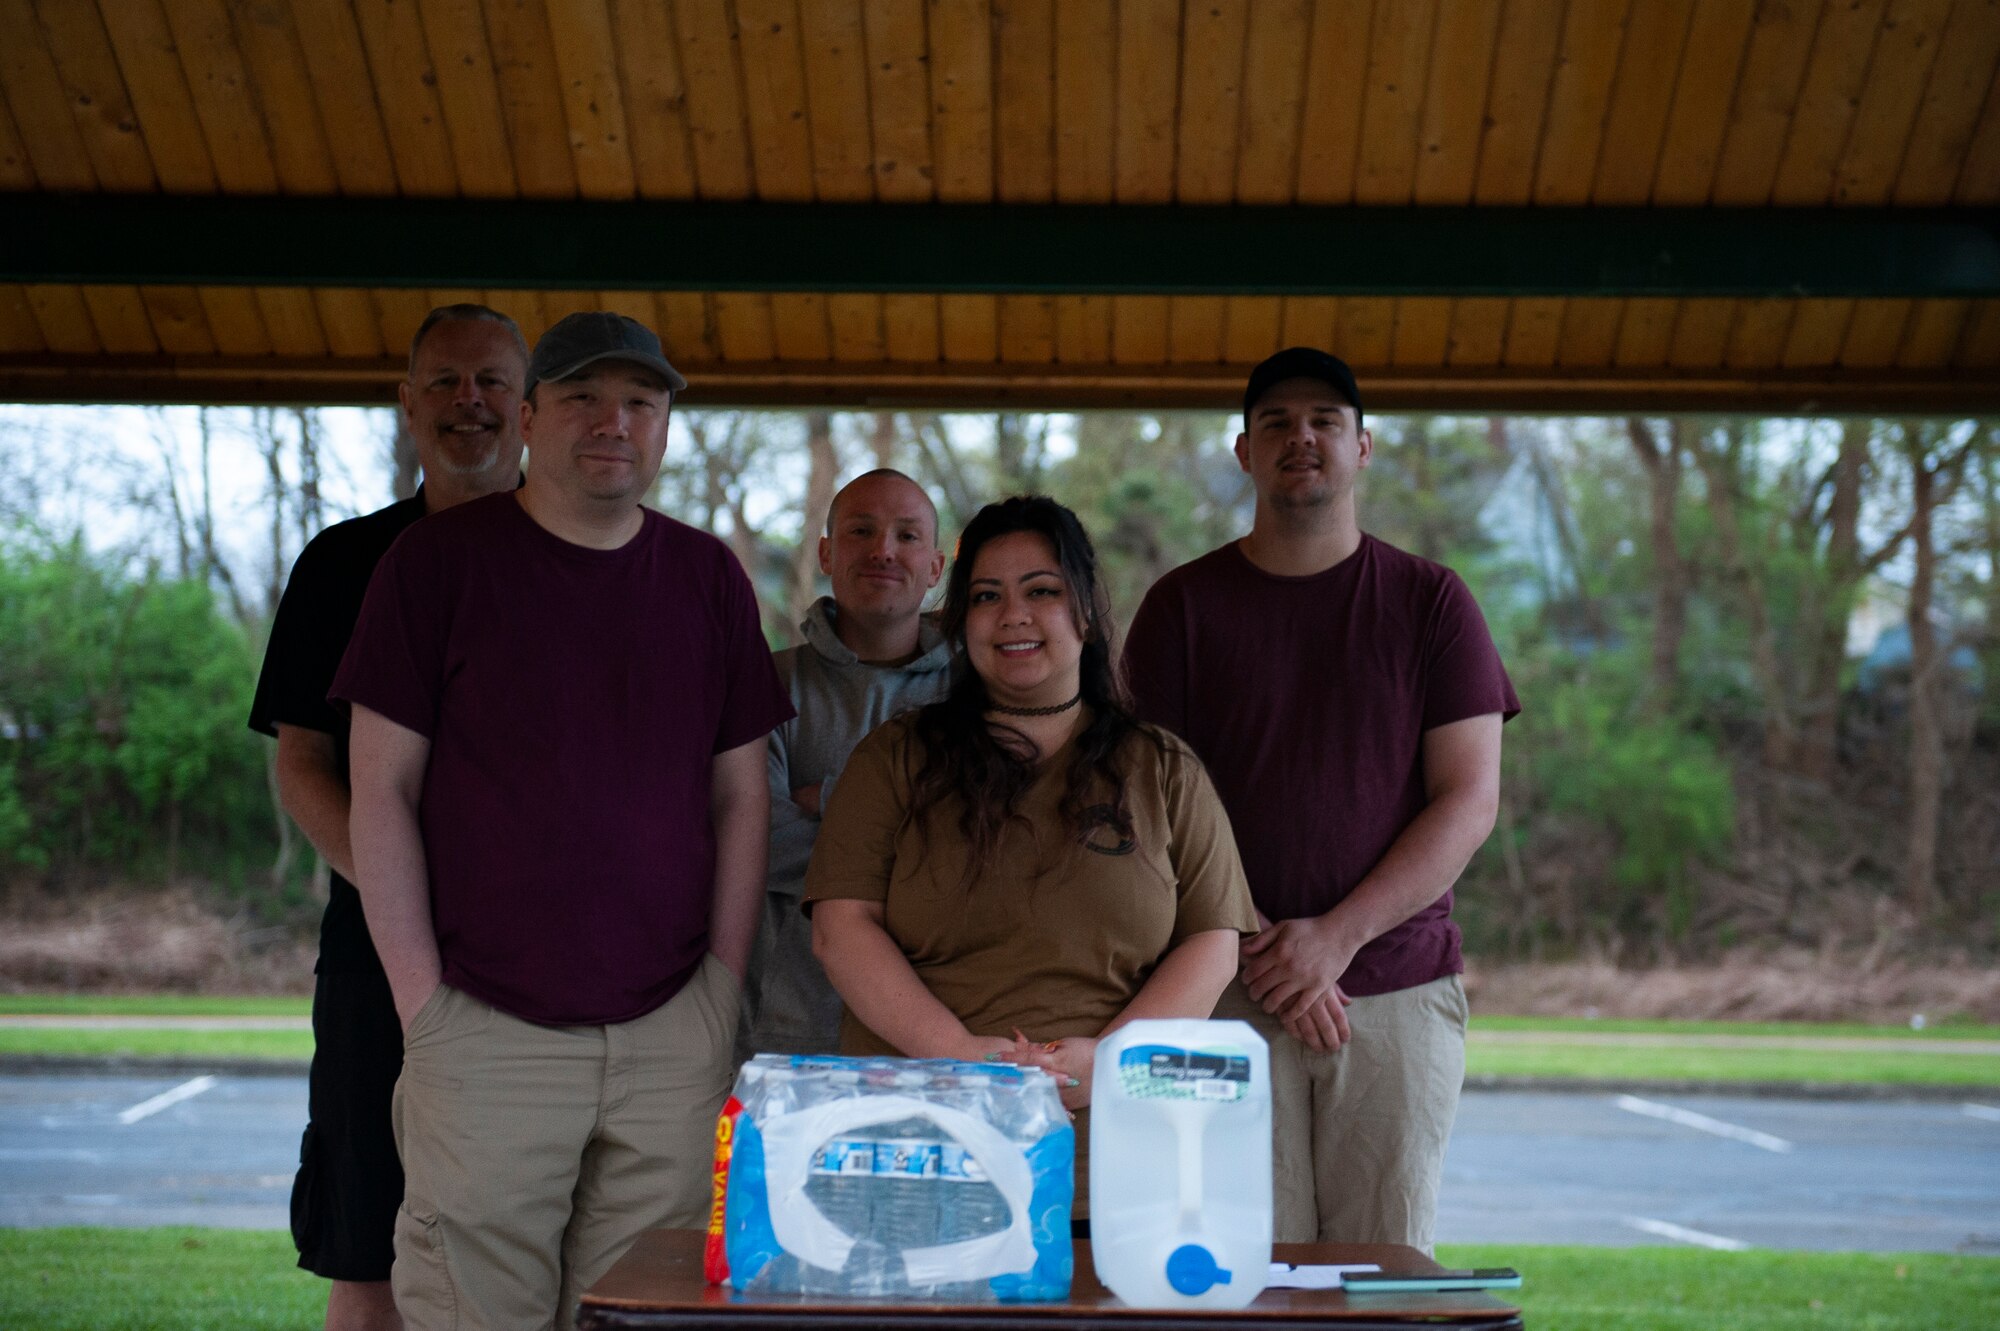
(1358, 1135)
(534, 1155)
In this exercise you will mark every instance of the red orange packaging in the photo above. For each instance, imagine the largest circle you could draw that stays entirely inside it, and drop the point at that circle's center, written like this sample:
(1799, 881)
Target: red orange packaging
(715, 1256)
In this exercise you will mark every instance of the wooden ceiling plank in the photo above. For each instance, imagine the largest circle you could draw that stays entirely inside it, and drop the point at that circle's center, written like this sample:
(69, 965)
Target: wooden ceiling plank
(291, 320)
(1642, 94)
(1336, 86)
(1194, 329)
(165, 106)
(1423, 330)
(687, 325)
(910, 327)
(64, 319)
(635, 305)
(225, 100)
(398, 312)
(1767, 93)
(1701, 333)
(1534, 330)
(1086, 103)
(282, 82)
(1213, 34)
(649, 71)
(1149, 77)
(1933, 334)
(1763, 327)
(19, 331)
(899, 100)
(16, 171)
(1979, 174)
(348, 317)
(1251, 327)
(1835, 77)
(1138, 330)
(1875, 334)
(1024, 138)
(179, 320)
(1399, 58)
(969, 327)
(468, 91)
(856, 322)
(1979, 346)
(1818, 331)
(1586, 66)
(1083, 328)
(716, 130)
(1273, 80)
(34, 91)
(774, 94)
(1897, 77)
(1645, 333)
(406, 85)
(1517, 103)
(961, 78)
(1949, 116)
(119, 316)
(439, 297)
(836, 55)
(530, 313)
(235, 321)
(586, 52)
(1027, 329)
(1462, 57)
(1367, 331)
(743, 326)
(329, 38)
(94, 90)
(1718, 42)
(530, 89)
(799, 327)
(1308, 321)
(1589, 337)
(1478, 330)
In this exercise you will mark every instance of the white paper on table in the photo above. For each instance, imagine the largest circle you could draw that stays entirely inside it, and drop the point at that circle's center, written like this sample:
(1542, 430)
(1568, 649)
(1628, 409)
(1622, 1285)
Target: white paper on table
(1286, 1276)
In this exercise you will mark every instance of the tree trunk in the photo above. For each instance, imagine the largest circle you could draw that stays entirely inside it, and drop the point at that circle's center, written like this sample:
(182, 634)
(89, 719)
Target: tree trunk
(1826, 643)
(882, 439)
(1722, 472)
(311, 508)
(1926, 729)
(1662, 463)
(821, 479)
(402, 460)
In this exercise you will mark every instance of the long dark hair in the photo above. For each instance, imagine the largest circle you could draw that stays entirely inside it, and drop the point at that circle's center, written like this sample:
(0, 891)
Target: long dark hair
(990, 766)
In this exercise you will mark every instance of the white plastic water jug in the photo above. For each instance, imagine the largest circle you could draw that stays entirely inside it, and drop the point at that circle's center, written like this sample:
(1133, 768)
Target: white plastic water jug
(1180, 1163)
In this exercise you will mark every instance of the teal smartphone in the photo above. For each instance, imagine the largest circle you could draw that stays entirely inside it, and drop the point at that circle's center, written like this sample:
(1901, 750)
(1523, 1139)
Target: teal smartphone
(1391, 1282)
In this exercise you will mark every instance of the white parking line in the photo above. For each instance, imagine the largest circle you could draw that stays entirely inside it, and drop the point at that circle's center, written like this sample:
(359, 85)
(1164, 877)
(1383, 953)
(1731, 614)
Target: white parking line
(1666, 1229)
(1987, 1112)
(187, 1090)
(1687, 1118)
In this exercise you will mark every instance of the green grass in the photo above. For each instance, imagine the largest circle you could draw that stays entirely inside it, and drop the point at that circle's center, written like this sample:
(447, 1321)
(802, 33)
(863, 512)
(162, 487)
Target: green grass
(157, 1044)
(1693, 1063)
(1684, 1289)
(152, 1005)
(238, 1280)
(1954, 1030)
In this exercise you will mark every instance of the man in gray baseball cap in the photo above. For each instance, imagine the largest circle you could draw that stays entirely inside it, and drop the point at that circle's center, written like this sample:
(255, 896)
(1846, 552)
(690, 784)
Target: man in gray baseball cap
(575, 693)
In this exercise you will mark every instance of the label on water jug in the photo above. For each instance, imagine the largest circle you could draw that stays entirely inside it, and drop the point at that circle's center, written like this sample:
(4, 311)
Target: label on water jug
(1164, 1072)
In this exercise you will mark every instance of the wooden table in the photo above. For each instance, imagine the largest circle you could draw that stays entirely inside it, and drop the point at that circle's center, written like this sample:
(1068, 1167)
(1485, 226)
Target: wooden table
(659, 1284)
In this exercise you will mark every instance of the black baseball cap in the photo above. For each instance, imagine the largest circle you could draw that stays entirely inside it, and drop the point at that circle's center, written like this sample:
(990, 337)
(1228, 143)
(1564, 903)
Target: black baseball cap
(585, 338)
(1300, 363)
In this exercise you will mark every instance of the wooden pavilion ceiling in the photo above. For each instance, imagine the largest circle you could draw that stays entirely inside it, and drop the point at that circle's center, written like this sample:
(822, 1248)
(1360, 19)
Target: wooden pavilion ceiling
(1664, 104)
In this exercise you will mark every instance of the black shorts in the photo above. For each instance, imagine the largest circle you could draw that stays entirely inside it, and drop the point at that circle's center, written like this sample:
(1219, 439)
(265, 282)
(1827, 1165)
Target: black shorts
(350, 1180)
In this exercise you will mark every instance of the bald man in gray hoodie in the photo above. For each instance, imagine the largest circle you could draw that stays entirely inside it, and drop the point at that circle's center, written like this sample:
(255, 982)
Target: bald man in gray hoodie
(869, 653)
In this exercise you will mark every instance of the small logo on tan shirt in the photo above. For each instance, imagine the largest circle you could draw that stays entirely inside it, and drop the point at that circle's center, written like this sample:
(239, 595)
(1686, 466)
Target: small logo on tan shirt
(1104, 818)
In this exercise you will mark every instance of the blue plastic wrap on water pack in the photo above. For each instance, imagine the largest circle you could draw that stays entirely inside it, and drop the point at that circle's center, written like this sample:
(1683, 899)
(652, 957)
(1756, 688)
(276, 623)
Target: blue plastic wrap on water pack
(892, 1177)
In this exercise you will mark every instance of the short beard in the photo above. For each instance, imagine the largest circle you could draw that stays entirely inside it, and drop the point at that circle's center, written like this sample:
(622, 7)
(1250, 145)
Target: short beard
(453, 465)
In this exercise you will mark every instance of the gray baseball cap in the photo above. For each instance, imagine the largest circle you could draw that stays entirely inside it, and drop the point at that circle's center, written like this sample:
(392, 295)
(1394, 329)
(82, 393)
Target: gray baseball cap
(583, 339)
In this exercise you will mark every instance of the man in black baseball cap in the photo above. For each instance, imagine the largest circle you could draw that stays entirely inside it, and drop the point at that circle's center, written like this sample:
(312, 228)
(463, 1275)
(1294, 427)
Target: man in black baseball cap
(581, 340)
(1347, 701)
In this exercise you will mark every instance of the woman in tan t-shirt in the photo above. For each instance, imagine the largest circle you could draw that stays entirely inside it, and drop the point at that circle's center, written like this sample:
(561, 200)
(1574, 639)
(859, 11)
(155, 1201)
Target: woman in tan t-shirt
(1021, 868)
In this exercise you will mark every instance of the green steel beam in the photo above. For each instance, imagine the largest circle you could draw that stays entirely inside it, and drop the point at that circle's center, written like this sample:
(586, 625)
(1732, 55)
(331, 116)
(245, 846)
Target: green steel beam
(1009, 248)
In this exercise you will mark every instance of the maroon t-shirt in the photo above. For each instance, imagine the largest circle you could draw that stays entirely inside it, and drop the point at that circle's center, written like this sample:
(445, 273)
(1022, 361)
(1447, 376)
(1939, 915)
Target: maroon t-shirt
(1308, 699)
(574, 699)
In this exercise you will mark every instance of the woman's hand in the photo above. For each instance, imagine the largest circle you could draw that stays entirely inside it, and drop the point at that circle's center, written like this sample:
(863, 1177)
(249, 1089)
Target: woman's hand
(1068, 1060)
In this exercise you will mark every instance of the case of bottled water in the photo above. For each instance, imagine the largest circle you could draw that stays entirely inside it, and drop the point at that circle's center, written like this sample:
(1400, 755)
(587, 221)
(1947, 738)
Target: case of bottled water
(1180, 1163)
(893, 1177)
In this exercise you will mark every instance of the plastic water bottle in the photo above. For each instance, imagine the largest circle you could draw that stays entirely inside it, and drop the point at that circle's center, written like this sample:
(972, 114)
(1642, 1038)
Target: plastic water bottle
(1180, 1163)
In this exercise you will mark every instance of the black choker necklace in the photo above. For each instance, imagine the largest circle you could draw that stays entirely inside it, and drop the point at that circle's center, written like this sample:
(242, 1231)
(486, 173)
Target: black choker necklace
(1035, 711)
